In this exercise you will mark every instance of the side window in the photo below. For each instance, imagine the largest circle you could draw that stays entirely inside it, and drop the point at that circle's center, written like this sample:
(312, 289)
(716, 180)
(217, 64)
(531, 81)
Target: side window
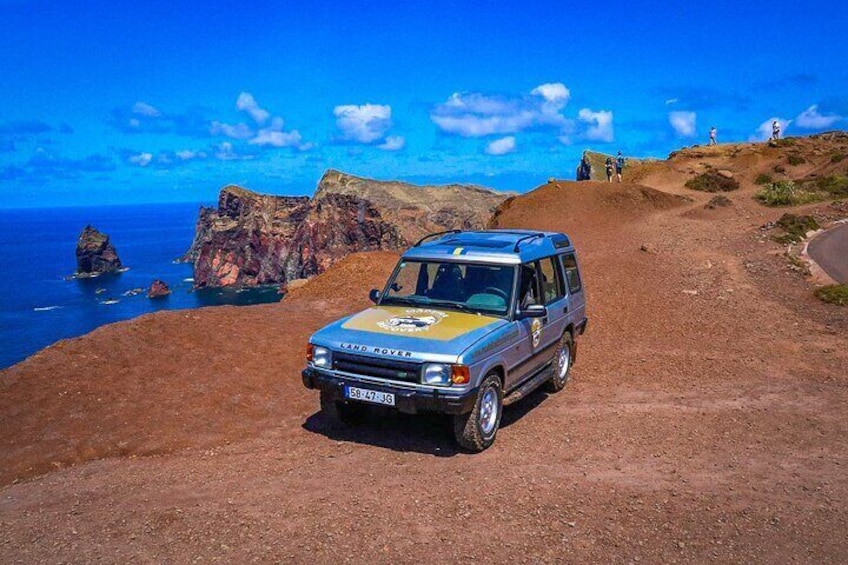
(528, 288)
(552, 288)
(572, 275)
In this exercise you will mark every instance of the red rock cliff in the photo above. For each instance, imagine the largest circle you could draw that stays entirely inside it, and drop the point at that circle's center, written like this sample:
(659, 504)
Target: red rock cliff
(253, 239)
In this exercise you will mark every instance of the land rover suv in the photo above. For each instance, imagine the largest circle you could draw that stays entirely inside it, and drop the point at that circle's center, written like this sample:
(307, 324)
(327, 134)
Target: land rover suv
(468, 322)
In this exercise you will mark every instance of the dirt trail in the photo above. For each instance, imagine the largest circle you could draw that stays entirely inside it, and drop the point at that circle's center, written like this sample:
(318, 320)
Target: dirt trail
(705, 421)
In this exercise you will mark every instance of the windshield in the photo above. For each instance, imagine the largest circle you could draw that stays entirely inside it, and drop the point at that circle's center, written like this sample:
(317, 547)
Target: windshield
(480, 288)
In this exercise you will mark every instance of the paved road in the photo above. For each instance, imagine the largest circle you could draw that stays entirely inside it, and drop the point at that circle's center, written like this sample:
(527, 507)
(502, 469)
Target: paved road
(830, 251)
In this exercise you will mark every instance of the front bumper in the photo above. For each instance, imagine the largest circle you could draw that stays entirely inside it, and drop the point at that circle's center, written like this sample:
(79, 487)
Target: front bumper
(406, 400)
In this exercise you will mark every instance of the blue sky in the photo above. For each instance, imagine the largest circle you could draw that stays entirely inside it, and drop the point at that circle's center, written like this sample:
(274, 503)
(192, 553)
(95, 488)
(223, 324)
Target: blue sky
(110, 103)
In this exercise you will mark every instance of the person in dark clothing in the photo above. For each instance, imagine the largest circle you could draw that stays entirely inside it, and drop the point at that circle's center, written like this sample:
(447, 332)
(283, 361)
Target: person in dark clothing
(619, 165)
(609, 169)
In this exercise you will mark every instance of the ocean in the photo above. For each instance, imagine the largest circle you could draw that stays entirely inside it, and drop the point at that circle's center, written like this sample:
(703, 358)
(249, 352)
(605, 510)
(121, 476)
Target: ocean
(40, 305)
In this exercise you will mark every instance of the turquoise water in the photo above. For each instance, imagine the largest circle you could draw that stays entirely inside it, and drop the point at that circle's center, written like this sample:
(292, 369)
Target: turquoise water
(39, 305)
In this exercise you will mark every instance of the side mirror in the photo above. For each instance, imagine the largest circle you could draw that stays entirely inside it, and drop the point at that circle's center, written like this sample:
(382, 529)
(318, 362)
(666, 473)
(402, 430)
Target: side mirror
(374, 295)
(534, 311)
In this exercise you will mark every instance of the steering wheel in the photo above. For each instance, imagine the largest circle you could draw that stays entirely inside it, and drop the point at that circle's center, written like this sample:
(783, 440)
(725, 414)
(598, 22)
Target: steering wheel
(497, 291)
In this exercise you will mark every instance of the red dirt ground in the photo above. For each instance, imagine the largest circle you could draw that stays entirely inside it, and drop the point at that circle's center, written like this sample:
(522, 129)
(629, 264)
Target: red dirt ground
(705, 422)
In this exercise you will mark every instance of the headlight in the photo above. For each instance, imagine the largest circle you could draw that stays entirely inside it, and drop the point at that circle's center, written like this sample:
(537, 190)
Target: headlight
(436, 374)
(321, 357)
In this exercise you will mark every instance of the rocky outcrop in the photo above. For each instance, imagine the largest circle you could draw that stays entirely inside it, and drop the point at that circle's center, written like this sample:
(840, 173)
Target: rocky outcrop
(158, 289)
(95, 254)
(252, 239)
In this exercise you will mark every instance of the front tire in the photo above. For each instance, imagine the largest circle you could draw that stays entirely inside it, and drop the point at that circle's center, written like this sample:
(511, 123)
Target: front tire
(476, 430)
(563, 359)
(342, 412)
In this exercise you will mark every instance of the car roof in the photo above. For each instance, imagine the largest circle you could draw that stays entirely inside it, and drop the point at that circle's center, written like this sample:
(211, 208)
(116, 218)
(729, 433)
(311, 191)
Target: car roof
(510, 247)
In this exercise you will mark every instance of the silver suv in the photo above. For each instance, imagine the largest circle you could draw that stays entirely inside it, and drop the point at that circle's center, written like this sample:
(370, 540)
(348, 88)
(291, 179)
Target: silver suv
(468, 323)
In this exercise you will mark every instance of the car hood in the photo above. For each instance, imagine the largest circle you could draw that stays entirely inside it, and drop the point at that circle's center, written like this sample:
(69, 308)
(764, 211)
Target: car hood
(414, 334)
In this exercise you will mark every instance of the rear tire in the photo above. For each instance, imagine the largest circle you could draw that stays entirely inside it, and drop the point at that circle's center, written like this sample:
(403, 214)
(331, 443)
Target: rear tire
(342, 412)
(563, 360)
(476, 430)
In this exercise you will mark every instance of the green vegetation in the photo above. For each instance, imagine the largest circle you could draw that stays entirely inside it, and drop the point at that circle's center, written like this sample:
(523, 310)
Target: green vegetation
(833, 294)
(785, 142)
(790, 193)
(797, 264)
(763, 178)
(795, 160)
(837, 157)
(796, 227)
(835, 186)
(712, 181)
(783, 193)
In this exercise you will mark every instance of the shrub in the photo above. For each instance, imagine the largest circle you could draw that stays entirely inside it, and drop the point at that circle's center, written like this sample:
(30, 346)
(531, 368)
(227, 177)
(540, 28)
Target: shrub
(711, 181)
(785, 193)
(779, 169)
(795, 160)
(833, 185)
(796, 227)
(833, 294)
(837, 157)
(763, 178)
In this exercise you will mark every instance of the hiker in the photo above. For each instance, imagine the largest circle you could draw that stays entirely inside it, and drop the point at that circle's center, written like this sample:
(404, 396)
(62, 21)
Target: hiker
(609, 169)
(775, 130)
(712, 135)
(619, 165)
(584, 172)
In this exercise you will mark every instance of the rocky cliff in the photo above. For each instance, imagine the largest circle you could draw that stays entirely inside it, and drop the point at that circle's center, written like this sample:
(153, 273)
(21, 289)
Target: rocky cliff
(252, 239)
(95, 254)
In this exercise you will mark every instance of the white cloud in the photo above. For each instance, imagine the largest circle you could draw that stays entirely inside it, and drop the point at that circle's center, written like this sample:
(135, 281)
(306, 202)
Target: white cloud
(145, 109)
(501, 146)
(671, 101)
(271, 135)
(765, 129)
(392, 143)
(365, 124)
(246, 103)
(477, 115)
(188, 155)
(600, 124)
(812, 119)
(226, 152)
(683, 123)
(141, 159)
(553, 92)
(237, 131)
(272, 138)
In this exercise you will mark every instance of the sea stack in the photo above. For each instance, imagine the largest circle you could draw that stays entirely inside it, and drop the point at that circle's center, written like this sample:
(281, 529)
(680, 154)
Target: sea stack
(158, 289)
(95, 254)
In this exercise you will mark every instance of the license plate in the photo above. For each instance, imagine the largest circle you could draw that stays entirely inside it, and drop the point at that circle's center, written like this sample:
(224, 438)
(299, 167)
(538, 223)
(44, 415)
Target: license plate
(374, 396)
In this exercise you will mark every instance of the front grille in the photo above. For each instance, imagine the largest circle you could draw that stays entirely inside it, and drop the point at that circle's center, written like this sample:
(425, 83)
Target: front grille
(373, 367)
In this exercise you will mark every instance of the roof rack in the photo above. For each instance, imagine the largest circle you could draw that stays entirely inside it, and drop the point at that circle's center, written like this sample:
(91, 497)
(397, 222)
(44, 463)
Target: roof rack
(526, 238)
(433, 235)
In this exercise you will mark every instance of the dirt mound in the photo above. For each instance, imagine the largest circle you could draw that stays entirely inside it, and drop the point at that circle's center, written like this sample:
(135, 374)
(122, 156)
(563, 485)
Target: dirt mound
(348, 278)
(567, 206)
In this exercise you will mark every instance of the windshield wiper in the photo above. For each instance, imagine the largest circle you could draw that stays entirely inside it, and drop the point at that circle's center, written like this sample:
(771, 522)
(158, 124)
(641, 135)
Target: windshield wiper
(403, 300)
(449, 303)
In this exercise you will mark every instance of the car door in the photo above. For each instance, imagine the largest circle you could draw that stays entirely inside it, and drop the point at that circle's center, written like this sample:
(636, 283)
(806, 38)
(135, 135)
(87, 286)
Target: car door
(556, 302)
(531, 330)
(576, 300)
